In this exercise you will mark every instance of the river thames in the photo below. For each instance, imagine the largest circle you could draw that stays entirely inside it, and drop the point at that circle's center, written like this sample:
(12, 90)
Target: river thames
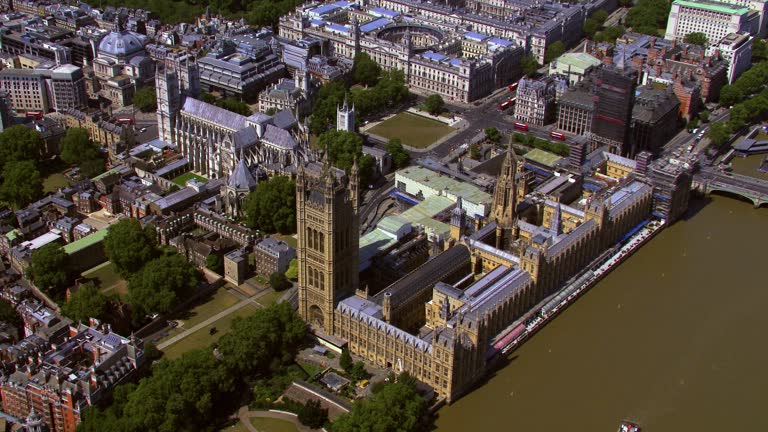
(672, 339)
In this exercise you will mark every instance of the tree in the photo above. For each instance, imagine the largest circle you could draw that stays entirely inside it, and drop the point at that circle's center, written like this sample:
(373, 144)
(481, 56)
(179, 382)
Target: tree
(85, 303)
(279, 282)
(91, 168)
(145, 99)
(696, 38)
(719, 133)
(264, 340)
(271, 206)
(358, 371)
(22, 183)
(77, 147)
(161, 283)
(554, 51)
(395, 407)
(365, 70)
(345, 361)
(128, 246)
(48, 269)
(313, 415)
(648, 16)
(8, 314)
(208, 98)
(214, 263)
(343, 147)
(474, 151)
(20, 143)
(704, 116)
(730, 95)
(235, 105)
(529, 65)
(591, 26)
(434, 104)
(400, 157)
(493, 134)
(600, 16)
(293, 270)
(759, 50)
(271, 111)
(610, 34)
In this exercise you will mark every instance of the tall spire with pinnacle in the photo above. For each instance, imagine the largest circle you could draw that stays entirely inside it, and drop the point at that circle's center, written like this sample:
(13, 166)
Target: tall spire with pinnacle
(555, 225)
(505, 199)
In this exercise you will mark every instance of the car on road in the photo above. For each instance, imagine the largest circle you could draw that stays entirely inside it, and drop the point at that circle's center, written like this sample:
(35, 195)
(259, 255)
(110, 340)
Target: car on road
(142, 130)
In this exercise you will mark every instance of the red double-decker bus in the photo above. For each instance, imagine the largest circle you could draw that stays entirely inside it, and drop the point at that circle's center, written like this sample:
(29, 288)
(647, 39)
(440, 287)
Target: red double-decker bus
(557, 136)
(35, 114)
(125, 120)
(507, 104)
(520, 126)
(512, 87)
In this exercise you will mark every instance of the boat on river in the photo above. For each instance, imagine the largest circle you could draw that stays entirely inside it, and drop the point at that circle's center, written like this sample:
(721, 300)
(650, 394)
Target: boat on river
(628, 426)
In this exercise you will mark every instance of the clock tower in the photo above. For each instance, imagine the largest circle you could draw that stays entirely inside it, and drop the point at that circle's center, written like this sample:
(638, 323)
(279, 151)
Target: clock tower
(169, 101)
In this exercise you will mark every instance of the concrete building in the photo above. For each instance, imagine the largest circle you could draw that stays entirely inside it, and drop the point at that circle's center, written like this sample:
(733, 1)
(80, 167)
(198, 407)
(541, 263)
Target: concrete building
(232, 73)
(713, 18)
(535, 102)
(59, 88)
(736, 50)
(236, 266)
(654, 120)
(272, 256)
(576, 108)
(573, 66)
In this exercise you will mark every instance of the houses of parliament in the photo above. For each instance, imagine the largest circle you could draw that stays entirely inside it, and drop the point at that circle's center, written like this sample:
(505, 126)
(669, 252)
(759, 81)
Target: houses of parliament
(439, 321)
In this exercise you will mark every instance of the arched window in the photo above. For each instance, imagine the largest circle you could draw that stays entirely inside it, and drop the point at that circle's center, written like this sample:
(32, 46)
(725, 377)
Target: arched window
(322, 242)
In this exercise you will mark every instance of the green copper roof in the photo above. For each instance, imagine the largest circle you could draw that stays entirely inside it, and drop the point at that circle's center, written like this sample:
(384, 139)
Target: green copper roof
(714, 7)
(86, 241)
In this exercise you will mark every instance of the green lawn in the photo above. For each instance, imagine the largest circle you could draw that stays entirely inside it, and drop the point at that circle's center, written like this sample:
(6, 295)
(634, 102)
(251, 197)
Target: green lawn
(273, 425)
(761, 136)
(202, 338)
(237, 427)
(413, 130)
(310, 368)
(107, 279)
(270, 297)
(54, 182)
(207, 307)
(182, 179)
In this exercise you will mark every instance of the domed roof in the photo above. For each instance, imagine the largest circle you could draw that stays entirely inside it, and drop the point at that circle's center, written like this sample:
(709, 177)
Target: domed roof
(120, 43)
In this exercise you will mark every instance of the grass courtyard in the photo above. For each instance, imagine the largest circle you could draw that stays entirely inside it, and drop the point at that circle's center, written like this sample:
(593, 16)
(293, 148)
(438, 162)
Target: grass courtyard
(54, 182)
(413, 130)
(182, 179)
(107, 279)
(203, 338)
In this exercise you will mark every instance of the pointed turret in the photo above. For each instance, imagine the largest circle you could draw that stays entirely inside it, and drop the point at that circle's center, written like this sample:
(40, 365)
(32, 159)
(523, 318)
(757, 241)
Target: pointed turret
(555, 227)
(505, 199)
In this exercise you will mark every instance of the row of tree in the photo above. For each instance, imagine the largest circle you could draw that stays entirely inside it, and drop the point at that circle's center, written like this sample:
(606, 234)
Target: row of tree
(194, 391)
(649, 16)
(255, 12)
(530, 140)
(747, 98)
(271, 207)
(230, 103)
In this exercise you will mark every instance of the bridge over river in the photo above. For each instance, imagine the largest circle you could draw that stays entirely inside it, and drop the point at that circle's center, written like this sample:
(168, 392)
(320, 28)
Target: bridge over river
(710, 179)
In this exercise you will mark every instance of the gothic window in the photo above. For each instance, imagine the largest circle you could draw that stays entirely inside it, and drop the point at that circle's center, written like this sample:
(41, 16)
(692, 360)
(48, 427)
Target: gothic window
(321, 280)
(322, 242)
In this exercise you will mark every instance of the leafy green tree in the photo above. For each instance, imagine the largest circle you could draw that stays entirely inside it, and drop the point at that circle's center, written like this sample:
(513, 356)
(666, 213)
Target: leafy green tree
(342, 146)
(265, 340)
(719, 133)
(21, 183)
(345, 361)
(328, 97)
(730, 95)
(474, 151)
(493, 134)
(358, 371)
(696, 38)
(8, 314)
(648, 16)
(529, 65)
(400, 157)
(365, 70)
(271, 111)
(87, 302)
(20, 143)
(395, 407)
(208, 98)
(161, 283)
(279, 282)
(434, 104)
(554, 51)
(271, 207)
(91, 168)
(610, 34)
(590, 28)
(213, 262)
(235, 105)
(145, 99)
(129, 246)
(600, 16)
(77, 147)
(48, 269)
(692, 123)
(293, 270)
(759, 50)
(313, 415)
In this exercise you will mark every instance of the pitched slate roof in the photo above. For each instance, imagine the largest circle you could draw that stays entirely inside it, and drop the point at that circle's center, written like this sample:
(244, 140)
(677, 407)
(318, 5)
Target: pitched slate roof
(241, 177)
(214, 114)
(278, 137)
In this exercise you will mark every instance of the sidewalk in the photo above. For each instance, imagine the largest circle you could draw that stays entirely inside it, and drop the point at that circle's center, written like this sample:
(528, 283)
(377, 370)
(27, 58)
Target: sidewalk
(244, 414)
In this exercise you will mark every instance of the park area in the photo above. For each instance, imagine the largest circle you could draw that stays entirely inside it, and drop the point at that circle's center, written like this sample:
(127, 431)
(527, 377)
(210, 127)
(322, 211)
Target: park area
(182, 179)
(413, 130)
(201, 332)
(107, 280)
(54, 182)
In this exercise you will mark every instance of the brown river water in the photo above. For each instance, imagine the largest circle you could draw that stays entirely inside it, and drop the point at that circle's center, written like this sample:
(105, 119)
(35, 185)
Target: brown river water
(673, 338)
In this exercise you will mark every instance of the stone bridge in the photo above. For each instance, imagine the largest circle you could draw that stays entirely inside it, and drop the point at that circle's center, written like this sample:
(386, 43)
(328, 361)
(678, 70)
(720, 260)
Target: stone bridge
(709, 180)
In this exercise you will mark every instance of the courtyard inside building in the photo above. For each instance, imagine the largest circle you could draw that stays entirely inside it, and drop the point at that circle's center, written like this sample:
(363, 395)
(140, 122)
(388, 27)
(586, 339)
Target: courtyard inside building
(413, 130)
